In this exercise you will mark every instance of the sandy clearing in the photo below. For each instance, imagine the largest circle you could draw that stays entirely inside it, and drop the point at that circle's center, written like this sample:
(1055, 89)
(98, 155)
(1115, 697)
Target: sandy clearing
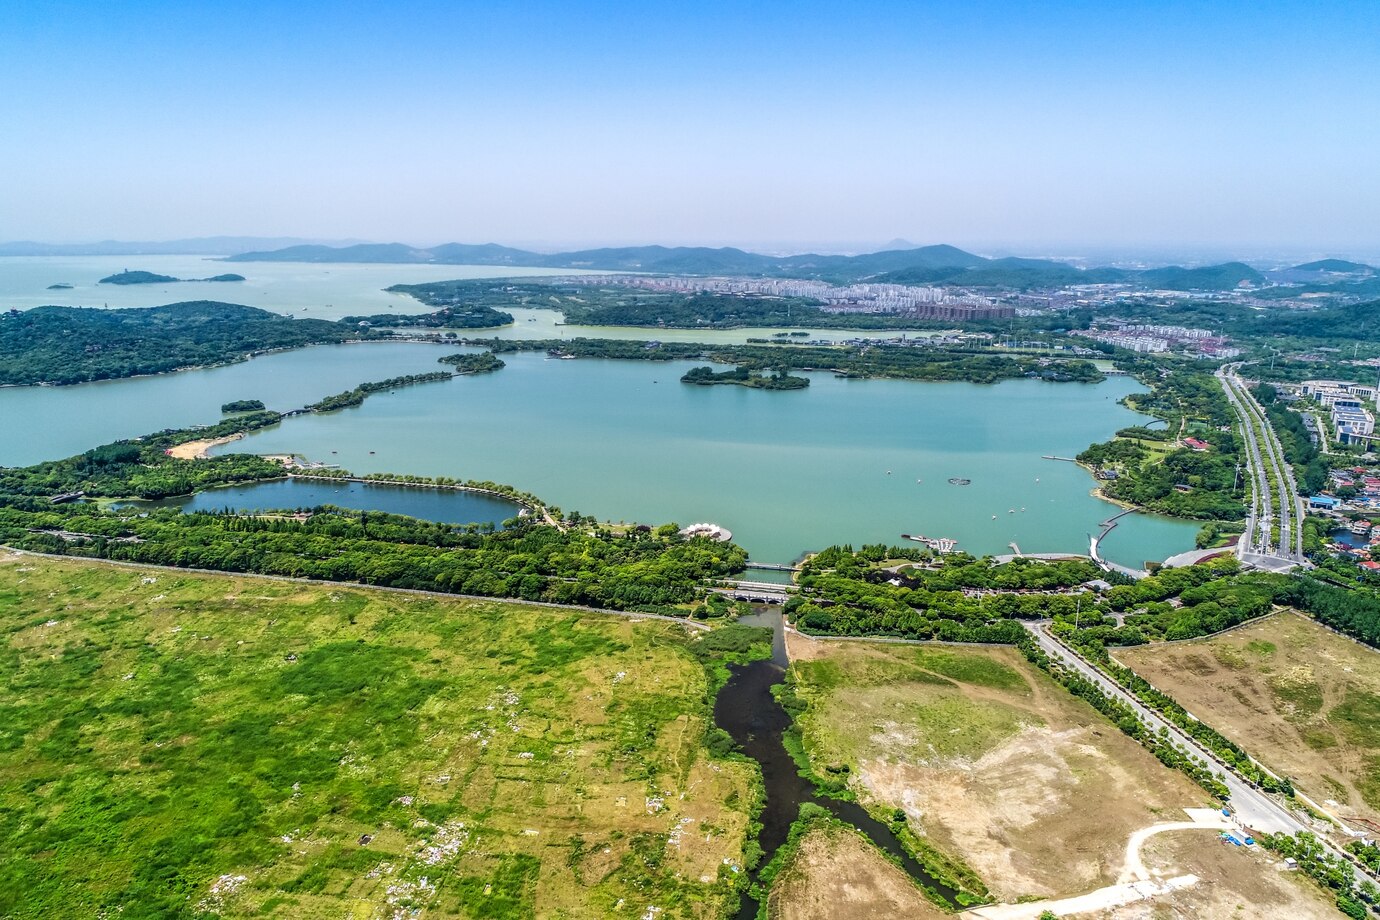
(1099, 900)
(197, 450)
(836, 873)
(1202, 819)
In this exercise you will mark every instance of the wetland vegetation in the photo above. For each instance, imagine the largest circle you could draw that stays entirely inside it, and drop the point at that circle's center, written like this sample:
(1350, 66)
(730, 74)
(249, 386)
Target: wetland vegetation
(180, 745)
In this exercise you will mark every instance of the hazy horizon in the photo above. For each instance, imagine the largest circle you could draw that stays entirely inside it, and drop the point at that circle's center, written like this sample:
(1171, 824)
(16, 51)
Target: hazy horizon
(1086, 255)
(1239, 130)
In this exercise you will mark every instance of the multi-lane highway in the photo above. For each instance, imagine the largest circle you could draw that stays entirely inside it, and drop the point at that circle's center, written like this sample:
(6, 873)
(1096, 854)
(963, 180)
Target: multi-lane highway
(1274, 523)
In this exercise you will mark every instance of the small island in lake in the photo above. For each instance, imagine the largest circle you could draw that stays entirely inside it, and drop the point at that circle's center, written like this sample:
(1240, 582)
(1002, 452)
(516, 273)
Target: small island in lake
(483, 363)
(60, 286)
(744, 377)
(140, 277)
(243, 405)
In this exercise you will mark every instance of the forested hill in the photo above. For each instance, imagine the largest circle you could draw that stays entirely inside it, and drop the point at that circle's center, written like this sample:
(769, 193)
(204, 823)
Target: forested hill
(74, 344)
(692, 260)
(939, 264)
(141, 277)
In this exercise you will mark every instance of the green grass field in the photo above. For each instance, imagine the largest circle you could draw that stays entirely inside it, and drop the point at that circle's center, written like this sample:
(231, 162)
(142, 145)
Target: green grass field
(190, 745)
(914, 689)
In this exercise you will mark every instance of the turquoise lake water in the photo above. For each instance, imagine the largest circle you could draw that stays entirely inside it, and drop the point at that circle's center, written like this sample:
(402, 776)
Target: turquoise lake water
(857, 461)
(786, 472)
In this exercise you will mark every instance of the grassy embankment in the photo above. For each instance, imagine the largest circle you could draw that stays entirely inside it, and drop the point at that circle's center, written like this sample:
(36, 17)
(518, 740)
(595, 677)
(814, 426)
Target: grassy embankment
(174, 744)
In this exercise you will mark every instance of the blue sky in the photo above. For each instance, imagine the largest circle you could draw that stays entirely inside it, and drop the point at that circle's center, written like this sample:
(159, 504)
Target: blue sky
(1040, 126)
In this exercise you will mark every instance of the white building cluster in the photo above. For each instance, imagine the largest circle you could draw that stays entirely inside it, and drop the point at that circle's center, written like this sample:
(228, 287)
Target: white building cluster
(1346, 402)
(855, 298)
(1153, 339)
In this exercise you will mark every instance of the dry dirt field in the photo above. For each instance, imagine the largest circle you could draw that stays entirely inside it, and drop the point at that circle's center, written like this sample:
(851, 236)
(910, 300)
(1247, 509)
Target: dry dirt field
(1301, 698)
(993, 761)
(1236, 884)
(837, 873)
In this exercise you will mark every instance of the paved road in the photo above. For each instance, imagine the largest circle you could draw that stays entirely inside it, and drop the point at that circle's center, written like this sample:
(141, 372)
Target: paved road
(1271, 501)
(1254, 808)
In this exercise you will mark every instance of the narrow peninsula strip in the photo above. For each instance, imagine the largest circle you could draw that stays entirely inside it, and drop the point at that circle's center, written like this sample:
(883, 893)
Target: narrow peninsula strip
(918, 362)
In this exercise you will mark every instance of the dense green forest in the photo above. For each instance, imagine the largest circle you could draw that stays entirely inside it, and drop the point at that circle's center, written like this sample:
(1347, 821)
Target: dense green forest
(850, 593)
(141, 468)
(65, 345)
(904, 363)
(617, 305)
(139, 277)
(744, 377)
(450, 317)
(529, 560)
(1325, 326)
(242, 405)
(482, 363)
(1181, 482)
(894, 591)
(962, 598)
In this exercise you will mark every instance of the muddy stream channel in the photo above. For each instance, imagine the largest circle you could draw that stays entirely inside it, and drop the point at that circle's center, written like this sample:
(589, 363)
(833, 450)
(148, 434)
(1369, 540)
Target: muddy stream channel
(746, 709)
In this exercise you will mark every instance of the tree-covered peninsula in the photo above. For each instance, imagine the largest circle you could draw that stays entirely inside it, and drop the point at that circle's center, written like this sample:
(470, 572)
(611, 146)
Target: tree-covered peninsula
(918, 362)
(63, 345)
(451, 317)
(535, 556)
(356, 396)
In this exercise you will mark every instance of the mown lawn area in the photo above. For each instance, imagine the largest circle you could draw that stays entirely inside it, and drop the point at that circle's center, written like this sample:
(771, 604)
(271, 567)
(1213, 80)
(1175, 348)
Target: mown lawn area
(178, 745)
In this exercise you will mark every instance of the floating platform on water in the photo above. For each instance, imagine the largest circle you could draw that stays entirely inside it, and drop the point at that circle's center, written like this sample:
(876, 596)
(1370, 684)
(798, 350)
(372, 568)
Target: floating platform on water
(959, 481)
(941, 545)
(710, 531)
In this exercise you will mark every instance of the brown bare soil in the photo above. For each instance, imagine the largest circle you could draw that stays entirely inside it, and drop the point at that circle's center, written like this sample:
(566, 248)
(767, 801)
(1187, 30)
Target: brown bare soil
(994, 762)
(197, 450)
(1302, 699)
(1236, 884)
(837, 873)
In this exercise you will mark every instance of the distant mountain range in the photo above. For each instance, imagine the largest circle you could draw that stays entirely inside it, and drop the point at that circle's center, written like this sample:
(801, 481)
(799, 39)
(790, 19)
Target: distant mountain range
(900, 263)
(199, 246)
(921, 265)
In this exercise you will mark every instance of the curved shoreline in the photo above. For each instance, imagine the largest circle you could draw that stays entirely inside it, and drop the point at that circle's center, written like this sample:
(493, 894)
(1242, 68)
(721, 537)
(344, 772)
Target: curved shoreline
(521, 503)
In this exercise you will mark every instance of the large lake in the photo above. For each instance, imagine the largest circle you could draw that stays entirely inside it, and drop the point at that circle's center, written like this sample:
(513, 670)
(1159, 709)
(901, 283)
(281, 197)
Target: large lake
(327, 291)
(318, 291)
(855, 461)
(787, 472)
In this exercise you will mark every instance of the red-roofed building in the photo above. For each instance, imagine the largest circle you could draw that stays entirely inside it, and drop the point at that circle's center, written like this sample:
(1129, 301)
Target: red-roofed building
(1195, 444)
